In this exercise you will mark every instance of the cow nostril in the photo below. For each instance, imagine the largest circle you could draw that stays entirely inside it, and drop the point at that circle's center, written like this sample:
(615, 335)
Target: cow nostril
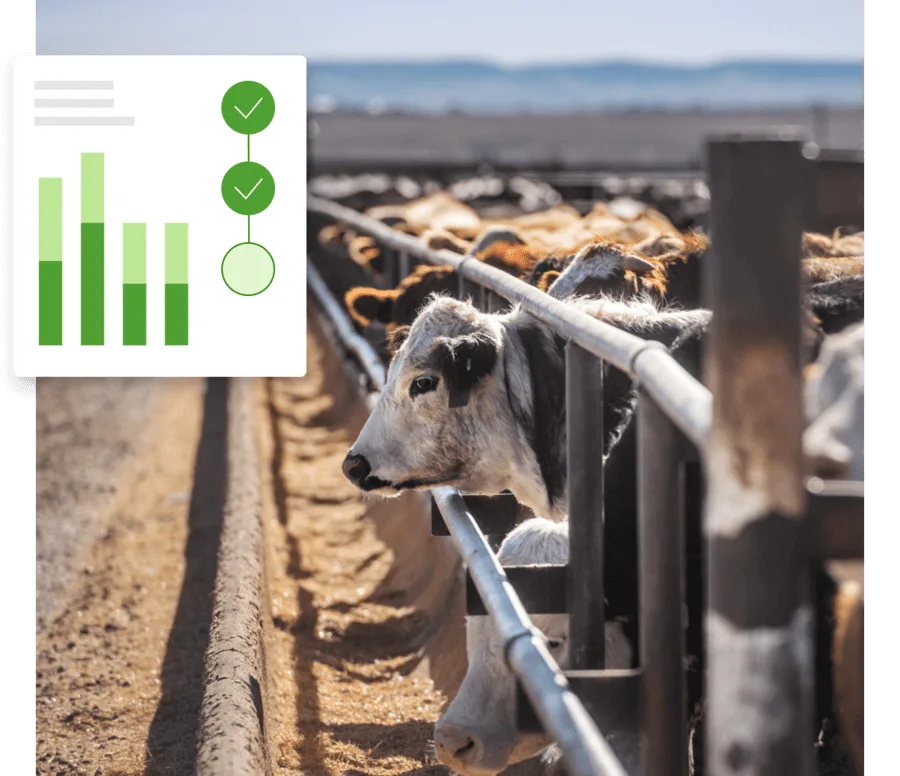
(464, 751)
(356, 468)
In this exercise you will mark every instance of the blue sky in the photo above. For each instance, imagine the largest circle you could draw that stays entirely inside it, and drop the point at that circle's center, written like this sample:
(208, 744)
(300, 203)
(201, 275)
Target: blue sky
(505, 31)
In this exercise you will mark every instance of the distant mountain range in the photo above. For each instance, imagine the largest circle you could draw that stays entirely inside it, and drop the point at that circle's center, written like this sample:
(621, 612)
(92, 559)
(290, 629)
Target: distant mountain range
(476, 87)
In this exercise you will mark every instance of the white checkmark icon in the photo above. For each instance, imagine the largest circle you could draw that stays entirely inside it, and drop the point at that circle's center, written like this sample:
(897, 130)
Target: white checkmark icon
(247, 195)
(247, 114)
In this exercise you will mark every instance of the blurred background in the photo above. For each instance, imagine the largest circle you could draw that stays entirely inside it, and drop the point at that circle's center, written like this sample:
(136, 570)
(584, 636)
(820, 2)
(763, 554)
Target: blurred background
(576, 84)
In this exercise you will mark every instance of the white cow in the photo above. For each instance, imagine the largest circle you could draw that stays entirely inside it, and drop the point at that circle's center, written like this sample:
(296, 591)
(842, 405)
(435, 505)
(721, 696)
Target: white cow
(477, 733)
(477, 401)
(833, 441)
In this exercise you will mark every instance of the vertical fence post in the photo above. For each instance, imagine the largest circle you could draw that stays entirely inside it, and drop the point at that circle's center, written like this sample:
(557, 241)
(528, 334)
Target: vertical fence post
(391, 268)
(661, 591)
(759, 618)
(584, 435)
(403, 265)
(484, 298)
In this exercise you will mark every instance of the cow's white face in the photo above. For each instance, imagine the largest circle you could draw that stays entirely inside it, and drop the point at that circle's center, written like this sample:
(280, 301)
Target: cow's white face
(443, 417)
(477, 733)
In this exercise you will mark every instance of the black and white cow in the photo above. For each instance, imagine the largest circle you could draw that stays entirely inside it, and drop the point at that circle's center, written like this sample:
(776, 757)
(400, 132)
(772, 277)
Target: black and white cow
(477, 401)
(477, 733)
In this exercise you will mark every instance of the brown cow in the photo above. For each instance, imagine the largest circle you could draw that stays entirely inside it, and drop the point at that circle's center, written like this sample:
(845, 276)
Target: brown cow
(837, 245)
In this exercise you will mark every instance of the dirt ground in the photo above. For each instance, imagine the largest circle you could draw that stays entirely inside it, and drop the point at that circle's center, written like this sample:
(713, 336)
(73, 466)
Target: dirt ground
(119, 668)
(89, 432)
(347, 661)
(366, 638)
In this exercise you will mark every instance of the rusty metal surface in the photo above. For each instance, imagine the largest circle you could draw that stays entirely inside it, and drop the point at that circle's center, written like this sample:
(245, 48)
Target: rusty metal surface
(759, 614)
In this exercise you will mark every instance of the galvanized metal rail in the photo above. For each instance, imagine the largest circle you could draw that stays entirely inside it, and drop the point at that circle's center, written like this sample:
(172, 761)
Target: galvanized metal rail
(558, 708)
(755, 252)
(686, 401)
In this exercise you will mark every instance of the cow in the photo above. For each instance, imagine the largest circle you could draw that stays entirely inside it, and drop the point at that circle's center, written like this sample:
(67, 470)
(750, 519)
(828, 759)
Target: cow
(835, 246)
(398, 306)
(476, 401)
(673, 277)
(837, 304)
(500, 247)
(477, 733)
(833, 440)
(558, 230)
(834, 449)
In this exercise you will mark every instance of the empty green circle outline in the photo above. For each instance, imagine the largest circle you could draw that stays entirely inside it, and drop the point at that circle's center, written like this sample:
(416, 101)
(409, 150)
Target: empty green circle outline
(225, 258)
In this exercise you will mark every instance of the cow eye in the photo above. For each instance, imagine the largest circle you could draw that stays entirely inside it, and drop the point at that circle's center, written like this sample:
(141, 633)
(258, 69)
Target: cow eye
(555, 643)
(422, 384)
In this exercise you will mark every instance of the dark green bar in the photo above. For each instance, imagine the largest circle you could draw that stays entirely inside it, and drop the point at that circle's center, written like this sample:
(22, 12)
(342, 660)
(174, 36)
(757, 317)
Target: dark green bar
(176, 314)
(50, 303)
(134, 314)
(92, 284)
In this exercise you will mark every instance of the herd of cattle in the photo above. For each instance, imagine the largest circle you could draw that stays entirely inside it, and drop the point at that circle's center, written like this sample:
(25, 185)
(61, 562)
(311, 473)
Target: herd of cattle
(476, 400)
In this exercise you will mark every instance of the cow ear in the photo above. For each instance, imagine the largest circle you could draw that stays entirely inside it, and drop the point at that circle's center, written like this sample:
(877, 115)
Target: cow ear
(369, 304)
(547, 279)
(396, 336)
(463, 361)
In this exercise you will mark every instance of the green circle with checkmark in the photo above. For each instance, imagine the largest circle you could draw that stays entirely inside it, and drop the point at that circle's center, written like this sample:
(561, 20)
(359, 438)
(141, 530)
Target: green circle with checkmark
(248, 107)
(248, 188)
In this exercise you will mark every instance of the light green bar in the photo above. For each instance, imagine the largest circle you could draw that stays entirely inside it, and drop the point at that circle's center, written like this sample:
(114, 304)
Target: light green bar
(92, 188)
(50, 219)
(177, 253)
(134, 253)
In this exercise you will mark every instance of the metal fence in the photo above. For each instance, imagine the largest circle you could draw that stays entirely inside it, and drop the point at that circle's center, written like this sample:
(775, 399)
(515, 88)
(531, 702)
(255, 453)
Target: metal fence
(764, 523)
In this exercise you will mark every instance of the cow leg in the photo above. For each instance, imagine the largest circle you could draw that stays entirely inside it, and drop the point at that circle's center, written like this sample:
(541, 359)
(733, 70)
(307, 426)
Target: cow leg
(848, 667)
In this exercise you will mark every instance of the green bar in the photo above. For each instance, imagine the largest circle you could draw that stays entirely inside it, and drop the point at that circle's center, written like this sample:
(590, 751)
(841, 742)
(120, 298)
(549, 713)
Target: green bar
(50, 303)
(134, 253)
(92, 249)
(177, 253)
(92, 284)
(50, 219)
(92, 188)
(134, 314)
(50, 253)
(176, 314)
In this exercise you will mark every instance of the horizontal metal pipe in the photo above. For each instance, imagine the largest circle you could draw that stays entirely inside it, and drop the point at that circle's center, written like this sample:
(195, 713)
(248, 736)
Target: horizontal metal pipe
(562, 714)
(368, 358)
(665, 380)
(560, 711)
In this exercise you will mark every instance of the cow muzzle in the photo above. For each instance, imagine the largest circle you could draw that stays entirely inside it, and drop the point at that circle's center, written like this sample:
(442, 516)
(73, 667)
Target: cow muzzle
(358, 470)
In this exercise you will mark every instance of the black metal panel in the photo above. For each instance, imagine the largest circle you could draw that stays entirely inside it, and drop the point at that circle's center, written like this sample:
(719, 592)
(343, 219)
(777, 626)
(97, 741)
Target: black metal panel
(584, 437)
(495, 515)
(611, 697)
(542, 589)
(836, 512)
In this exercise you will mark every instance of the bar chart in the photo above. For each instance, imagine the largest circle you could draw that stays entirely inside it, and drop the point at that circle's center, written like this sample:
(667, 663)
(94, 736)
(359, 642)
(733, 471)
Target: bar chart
(120, 226)
(92, 267)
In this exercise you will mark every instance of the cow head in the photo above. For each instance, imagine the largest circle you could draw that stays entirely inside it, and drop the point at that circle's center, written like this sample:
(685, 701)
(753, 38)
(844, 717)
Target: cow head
(443, 417)
(602, 268)
(399, 305)
(477, 733)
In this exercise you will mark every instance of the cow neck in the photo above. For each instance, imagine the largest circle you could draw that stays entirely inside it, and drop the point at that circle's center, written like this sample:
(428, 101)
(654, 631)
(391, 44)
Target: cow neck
(544, 422)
